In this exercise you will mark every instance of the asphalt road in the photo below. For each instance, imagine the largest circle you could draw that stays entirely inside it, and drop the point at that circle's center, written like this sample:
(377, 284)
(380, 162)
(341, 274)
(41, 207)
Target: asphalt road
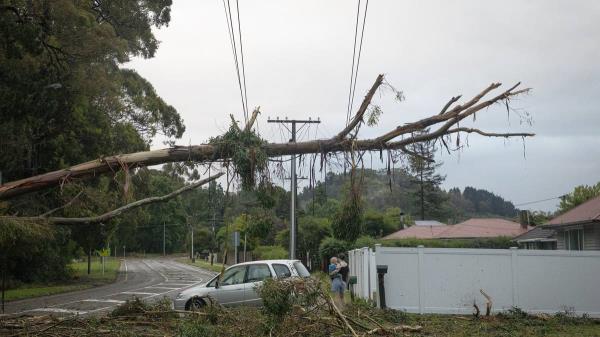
(148, 279)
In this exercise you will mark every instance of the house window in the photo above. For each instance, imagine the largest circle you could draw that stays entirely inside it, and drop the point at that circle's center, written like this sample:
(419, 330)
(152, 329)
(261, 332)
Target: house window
(574, 239)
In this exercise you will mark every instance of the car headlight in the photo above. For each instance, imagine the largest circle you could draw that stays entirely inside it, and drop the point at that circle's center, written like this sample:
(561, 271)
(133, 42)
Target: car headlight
(179, 296)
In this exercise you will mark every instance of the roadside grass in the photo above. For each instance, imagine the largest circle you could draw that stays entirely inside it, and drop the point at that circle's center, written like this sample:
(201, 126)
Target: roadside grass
(503, 325)
(216, 267)
(138, 318)
(80, 280)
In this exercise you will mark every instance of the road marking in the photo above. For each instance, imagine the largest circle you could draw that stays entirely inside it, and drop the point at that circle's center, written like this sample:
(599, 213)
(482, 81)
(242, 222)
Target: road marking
(173, 266)
(136, 292)
(157, 287)
(106, 300)
(61, 310)
(161, 274)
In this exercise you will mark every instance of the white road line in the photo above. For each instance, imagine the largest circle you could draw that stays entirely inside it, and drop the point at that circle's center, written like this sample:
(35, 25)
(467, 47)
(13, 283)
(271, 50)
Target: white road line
(157, 287)
(106, 300)
(161, 274)
(61, 310)
(178, 265)
(135, 292)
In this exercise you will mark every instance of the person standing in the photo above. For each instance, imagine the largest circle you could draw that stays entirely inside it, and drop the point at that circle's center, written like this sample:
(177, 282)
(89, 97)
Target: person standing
(344, 269)
(337, 283)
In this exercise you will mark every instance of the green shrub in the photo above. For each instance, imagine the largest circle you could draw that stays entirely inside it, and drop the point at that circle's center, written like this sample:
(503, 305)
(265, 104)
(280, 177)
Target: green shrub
(364, 241)
(491, 243)
(270, 252)
(332, 247)
(281, 295)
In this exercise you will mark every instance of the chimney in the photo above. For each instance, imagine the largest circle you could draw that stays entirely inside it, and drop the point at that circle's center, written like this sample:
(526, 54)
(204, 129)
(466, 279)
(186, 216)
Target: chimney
(524, 219)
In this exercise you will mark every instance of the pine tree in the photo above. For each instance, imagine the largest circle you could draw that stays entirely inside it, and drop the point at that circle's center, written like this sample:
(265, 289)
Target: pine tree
(423, 167)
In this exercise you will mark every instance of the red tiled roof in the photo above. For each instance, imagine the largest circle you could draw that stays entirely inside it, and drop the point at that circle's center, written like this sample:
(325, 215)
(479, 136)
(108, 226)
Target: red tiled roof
(587, 212)
(472, 228)
(419, 232)
(483, 228)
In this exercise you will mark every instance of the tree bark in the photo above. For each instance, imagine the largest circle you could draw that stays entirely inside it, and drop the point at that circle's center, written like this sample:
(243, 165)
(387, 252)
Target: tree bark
(448, 118)
(89, 260)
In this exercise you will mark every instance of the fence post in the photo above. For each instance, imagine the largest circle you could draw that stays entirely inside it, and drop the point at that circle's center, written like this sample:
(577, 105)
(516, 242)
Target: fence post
(420, 253)
(513, 269)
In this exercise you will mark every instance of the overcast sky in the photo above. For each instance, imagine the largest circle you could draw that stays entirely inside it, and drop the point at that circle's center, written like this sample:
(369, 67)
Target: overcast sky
(298, 57)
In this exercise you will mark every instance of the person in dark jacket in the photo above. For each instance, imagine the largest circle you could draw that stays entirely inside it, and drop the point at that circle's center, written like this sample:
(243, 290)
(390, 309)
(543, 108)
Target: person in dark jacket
(344, 269)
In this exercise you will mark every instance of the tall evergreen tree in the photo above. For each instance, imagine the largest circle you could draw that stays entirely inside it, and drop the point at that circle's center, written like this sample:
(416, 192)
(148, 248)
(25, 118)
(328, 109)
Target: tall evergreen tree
(428, 195)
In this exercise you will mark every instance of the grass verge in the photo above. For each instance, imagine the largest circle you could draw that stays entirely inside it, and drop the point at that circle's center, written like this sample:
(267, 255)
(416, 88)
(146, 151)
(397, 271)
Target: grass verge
(80, 280)
(136, 318)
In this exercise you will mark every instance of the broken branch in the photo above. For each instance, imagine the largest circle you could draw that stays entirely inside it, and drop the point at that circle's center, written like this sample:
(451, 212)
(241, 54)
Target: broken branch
(361, 110)
(114, 213)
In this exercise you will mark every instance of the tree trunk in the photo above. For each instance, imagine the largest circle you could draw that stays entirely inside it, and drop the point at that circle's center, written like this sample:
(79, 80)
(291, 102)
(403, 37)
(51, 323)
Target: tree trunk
(89, 261)
(444, 121)
(4, 272)
(422, 197)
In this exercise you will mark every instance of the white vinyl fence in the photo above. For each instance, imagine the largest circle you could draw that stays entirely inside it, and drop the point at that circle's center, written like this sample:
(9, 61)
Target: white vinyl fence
(435, 280)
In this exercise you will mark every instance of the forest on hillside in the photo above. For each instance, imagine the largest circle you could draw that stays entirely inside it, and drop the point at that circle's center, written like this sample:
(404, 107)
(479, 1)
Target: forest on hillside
(383, 191)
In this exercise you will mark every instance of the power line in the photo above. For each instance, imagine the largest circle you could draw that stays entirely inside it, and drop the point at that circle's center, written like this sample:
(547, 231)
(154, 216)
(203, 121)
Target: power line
(356, 65)
(542, 200)
(242, 53)
(230, 31)
(353, 59)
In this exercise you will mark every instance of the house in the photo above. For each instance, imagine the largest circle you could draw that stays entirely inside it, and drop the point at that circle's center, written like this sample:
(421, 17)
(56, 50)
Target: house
(579, 228)
(417, 231)
(538, 238)
(471, 229)
(428, 223)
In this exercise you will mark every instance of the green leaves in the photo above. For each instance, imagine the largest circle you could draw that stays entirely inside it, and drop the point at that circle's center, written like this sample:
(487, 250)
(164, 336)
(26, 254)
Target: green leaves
(245, 149)
(578, 196)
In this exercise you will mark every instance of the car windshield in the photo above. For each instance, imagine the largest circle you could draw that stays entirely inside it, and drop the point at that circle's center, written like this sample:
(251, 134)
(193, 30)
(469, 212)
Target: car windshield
(301, 269)
(212, 282)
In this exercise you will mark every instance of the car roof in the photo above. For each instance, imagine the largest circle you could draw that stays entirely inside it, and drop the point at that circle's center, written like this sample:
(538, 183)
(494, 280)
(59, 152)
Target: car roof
(266, 261)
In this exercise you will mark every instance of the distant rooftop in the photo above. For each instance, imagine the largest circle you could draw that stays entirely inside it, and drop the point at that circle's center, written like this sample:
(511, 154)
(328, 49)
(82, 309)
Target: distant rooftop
(589, 211)
(428, 223)
(470, 229)
(537, 234)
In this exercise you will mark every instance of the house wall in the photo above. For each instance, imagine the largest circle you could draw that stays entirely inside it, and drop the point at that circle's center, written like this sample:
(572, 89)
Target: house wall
(560, 240)
(434, 280)
(591, 237)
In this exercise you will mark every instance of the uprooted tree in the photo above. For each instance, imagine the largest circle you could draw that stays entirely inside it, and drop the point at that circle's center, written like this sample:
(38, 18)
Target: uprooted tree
(244, 154)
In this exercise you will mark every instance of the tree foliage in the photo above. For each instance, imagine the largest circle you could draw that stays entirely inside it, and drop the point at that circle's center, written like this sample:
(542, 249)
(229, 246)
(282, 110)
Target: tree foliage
(423, 167)
(578, 196)
(63, 96)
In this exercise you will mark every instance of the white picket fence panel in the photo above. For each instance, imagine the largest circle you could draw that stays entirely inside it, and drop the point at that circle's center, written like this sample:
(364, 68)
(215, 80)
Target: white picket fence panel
(440, 280)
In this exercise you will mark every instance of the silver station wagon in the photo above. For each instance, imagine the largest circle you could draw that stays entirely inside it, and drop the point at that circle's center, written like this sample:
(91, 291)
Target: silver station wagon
(237, 285)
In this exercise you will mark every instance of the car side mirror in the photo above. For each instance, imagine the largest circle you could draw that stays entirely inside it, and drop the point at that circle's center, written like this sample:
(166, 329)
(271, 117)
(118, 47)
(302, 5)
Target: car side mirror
(217, 284)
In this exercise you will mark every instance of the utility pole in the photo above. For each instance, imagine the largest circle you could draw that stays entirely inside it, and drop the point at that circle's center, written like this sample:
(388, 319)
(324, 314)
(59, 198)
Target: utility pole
(193, 259)
(293, 177)
(164, 237)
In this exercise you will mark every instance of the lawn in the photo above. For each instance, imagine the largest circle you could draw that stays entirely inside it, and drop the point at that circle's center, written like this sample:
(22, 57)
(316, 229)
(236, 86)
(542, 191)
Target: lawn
(216, 267)
(81, 280)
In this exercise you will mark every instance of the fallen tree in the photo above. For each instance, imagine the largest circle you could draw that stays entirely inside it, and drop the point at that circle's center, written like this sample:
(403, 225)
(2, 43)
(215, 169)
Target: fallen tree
(433, 128)
(47, 219)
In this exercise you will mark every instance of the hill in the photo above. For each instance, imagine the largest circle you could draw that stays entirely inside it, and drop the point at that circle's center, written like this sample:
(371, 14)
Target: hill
(381, 191)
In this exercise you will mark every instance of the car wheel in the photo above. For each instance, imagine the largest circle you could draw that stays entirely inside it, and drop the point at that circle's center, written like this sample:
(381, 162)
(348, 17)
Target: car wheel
(195, 304)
